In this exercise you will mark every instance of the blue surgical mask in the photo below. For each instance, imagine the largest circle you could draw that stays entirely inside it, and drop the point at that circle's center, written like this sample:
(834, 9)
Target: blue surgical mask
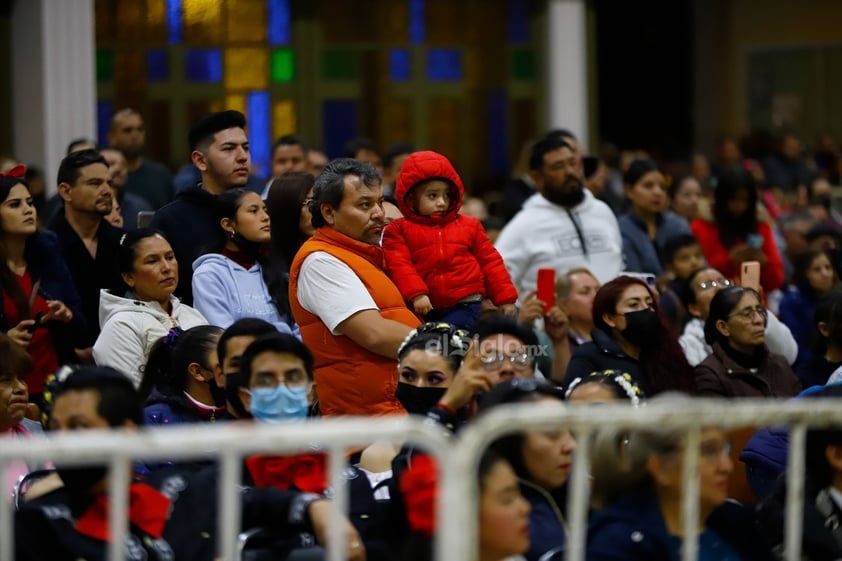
(278, 404)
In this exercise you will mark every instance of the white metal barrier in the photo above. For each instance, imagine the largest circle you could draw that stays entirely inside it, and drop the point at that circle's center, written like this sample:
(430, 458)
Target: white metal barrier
(457, 458)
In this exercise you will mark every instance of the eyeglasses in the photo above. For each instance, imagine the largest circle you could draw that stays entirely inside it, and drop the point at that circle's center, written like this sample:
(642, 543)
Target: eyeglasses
(290, 379)
(712, 451)
(748, 313)
(307, 201)
(518, 361)
(721, 283)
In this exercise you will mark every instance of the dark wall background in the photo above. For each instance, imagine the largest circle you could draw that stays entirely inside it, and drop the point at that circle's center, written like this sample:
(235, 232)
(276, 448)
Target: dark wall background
(644, 75)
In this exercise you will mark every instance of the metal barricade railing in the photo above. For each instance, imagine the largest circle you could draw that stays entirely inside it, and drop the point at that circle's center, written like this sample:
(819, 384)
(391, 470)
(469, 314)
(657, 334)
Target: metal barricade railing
(457, 458)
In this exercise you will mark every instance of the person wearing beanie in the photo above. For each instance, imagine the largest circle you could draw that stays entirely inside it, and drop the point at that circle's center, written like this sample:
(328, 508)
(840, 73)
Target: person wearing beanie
(441, 261)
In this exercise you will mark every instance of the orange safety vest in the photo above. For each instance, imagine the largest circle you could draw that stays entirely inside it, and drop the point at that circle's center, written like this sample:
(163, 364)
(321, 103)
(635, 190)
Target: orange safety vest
(351, 380)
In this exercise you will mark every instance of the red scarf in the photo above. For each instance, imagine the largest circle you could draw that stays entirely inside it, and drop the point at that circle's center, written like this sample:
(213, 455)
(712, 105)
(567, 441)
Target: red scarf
(148, 510)
(418, 485)
(305, 472)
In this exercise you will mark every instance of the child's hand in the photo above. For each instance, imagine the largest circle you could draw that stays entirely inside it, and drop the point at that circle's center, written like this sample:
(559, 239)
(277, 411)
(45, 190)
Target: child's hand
(508, 309)
(422, 305)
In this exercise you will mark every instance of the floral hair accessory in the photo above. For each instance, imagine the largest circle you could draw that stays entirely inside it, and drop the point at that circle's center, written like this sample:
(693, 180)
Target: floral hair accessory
(18, 172)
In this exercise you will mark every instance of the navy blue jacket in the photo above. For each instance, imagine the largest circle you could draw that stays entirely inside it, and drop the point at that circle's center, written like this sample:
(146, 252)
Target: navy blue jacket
(643, 254)
(188, 224)
(547, 528)
(632, 528)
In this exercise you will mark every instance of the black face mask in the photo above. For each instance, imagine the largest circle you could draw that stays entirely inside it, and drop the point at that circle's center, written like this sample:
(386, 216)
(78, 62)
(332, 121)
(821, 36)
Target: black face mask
(823, 201)
(78, 479)
(642, 328)
(418, 400)
(218, 394)
(232, 395)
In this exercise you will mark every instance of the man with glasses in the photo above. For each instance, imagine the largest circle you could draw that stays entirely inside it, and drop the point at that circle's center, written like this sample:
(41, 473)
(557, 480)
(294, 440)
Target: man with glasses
(702, 287)
(502, 350)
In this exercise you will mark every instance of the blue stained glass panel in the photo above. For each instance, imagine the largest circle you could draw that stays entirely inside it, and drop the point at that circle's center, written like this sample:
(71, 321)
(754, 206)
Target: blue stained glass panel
(517, 22)
(444, 65)
(498, 147)
(400, 69)
(417, 29)
(203, 65)
(340, 124)
(259, 116)
(157, 65)
(174, 21)
(104, 111)
(279, 22)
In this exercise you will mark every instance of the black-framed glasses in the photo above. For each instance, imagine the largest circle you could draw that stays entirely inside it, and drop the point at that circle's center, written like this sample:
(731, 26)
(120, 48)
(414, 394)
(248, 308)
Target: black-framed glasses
(719, 283)
(748, 313)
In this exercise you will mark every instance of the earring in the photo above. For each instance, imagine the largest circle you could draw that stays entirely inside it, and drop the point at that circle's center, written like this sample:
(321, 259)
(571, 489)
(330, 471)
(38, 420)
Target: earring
(231, 234)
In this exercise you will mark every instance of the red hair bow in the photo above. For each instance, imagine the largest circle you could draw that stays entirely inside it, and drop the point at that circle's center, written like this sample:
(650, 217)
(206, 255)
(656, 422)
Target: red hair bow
(19, 172)
(419, 485)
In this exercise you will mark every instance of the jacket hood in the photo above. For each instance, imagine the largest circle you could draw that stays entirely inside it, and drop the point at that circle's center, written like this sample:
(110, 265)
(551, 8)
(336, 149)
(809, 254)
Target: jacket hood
(110, 304)
(217, 259)
(423, 166)
(197, 195)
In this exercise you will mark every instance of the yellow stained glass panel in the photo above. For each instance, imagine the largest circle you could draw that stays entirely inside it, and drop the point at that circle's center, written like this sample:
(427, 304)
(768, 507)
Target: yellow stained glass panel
(236, 102)
(283, 117)
(202, 22)
(246, 68)
(156, 21)
(245, 21)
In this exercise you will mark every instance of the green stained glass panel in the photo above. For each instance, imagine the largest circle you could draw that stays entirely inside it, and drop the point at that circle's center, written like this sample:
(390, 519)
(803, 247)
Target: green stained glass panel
(340, 65)
(104, 65)
(523, 65)
(283, 66)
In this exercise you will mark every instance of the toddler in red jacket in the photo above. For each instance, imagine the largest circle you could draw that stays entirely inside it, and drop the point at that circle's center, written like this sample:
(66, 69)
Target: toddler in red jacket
(442, 261)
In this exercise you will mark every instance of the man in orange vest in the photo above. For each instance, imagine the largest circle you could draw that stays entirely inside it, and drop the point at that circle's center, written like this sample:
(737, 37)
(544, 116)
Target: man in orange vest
(351, 315)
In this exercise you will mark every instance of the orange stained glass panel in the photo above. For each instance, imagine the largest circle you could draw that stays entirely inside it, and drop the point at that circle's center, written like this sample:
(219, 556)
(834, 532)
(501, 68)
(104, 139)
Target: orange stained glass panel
(245, 21)
(445, 120)
(202, 22)
(131, 21)
(236, 102)
(447, 22)
(130, 71)
(343, 21)
(393, 21)
(105, 13)
(283, 118)
(395, 121)
(156, 21)
(246, 68)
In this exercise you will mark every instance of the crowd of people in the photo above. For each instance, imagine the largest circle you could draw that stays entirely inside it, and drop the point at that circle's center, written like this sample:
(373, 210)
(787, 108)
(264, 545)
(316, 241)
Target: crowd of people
(374, 285)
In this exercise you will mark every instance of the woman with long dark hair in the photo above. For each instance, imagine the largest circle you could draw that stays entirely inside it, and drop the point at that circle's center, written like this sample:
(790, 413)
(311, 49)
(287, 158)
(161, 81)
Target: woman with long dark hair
(736, 234)
(240, 280)
(631, 335)
(40, 306)
(290, 215)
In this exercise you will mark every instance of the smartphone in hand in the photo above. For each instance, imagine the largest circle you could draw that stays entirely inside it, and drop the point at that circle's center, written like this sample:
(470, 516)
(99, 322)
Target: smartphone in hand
(750, 274)
(546, 288)
(38, 317)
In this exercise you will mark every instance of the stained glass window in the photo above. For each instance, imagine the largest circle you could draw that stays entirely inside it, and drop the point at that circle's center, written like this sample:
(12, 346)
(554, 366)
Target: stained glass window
(104, 65)
(340, 123)
(203, 65)
(283, 66)
(340, 65)
(283, 118)
(242, 21)
(157, 65)
(236, 102)
(104, 111)
(260, 136)
(523, 64)
(247, 68)
(417, 30)
(444, 65)
(498, 147)
(174, 21)
(517, 22)
(400, 69)
(279, 23)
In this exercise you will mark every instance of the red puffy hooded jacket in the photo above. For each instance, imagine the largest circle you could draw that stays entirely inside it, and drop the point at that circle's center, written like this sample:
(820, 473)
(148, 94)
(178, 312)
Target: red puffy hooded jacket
(445, 257)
